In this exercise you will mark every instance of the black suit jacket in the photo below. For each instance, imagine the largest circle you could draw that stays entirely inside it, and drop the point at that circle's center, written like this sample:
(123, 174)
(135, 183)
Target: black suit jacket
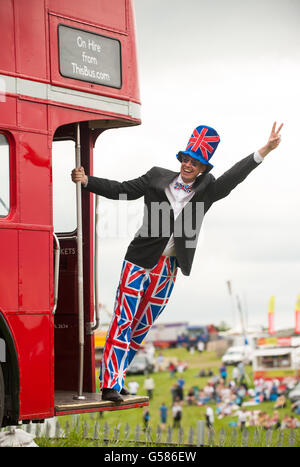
(158, 222)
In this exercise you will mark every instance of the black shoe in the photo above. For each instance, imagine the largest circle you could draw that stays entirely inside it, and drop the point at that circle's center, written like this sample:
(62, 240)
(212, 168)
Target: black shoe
(124, 391)
(113, 395)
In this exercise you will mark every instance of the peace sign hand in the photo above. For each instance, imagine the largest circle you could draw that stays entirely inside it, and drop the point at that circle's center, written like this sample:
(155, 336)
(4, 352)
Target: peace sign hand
(275, 137)
(273, 141)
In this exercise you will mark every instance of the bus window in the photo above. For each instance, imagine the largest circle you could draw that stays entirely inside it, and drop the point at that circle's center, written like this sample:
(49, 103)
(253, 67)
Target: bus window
(64, 190)
(4, 177)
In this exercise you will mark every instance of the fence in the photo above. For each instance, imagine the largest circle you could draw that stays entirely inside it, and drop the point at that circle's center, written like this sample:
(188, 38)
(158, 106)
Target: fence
(98, 434)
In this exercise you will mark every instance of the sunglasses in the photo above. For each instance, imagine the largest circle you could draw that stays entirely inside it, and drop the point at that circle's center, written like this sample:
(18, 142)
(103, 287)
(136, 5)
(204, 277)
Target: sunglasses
(187, 159)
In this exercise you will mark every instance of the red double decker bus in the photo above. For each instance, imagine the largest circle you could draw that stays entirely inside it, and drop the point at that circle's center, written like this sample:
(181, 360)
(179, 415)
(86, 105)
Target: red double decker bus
(68, 72)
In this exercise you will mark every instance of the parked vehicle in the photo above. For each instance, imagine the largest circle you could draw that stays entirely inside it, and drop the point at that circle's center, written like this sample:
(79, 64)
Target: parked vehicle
(195, 334)
(235, 355)
(141, 364)
(294, 394)
(164, 335)
(276, 362)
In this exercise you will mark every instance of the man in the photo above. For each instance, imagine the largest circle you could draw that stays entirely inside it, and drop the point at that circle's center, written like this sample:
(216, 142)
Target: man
(177, 414)
(209, 416)
(242, 419)
(163, 415)
(149, 386)
(235, 374)
(133, 387)
(175, 204)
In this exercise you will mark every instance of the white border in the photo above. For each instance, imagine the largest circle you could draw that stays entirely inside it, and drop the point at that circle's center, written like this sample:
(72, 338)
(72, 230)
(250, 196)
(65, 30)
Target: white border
(29, 88)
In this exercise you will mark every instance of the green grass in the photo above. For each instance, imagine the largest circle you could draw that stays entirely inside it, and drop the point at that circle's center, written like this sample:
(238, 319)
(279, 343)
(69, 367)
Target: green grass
(162, 393)
(163, 383)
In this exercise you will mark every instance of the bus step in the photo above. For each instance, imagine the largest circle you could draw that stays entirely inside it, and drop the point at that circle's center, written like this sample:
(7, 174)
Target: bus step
(65, 404)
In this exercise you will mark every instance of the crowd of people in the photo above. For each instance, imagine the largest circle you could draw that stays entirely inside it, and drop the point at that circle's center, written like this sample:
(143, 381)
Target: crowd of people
(233, 397)
(223, 397)
(262, 419)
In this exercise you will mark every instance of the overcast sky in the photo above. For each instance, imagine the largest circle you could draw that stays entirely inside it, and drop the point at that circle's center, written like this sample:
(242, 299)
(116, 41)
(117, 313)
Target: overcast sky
(234, 66)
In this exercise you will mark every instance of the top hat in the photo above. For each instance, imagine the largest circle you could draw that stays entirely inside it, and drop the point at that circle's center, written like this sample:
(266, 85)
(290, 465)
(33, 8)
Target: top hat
(202, 145)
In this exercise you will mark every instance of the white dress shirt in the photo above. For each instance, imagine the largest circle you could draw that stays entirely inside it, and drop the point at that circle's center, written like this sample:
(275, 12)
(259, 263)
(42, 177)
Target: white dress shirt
(178, 199)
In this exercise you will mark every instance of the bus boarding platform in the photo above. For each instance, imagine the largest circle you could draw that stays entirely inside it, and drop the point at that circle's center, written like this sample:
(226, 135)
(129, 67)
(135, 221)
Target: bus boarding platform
(66, 403)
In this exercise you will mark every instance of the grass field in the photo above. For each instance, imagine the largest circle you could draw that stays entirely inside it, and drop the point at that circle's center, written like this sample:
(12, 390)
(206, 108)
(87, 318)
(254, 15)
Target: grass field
(162, 393)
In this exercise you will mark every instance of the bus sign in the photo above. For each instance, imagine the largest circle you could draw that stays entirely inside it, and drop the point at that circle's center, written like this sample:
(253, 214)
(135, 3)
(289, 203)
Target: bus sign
(90, 57)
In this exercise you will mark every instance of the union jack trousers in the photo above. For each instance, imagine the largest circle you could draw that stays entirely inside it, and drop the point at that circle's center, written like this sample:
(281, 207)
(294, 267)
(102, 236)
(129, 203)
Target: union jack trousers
(141, 297)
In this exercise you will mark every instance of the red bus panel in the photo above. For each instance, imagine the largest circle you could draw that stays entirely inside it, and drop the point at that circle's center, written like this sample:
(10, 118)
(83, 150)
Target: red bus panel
(38, 105)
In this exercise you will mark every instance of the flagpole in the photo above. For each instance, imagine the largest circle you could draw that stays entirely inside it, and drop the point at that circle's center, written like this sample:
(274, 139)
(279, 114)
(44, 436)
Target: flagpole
(246, 312)
(232, 304)
(242, 319)
(271, 315)
(297, 316)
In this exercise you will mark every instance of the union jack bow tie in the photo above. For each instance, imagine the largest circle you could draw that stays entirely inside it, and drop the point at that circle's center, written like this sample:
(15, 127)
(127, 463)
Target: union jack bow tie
(181, 186)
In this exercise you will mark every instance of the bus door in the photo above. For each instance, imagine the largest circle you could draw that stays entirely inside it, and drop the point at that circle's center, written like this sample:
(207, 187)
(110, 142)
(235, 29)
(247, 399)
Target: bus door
(75, 388)
(66, 319)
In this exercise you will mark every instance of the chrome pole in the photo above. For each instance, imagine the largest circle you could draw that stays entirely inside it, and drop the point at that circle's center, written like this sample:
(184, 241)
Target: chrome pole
(96, 268)
(56, 271)
(79, 269)
(91, 327)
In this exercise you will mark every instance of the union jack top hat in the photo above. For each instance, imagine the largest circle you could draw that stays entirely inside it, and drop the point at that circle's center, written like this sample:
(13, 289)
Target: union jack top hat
(202, 145)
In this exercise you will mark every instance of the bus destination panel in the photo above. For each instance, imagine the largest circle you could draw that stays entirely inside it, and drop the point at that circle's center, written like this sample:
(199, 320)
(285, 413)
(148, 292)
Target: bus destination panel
(90, 57)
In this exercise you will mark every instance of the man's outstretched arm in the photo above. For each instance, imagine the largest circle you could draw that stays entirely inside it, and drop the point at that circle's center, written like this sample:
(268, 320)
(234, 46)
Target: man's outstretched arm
(112, 189)
(223, 185)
